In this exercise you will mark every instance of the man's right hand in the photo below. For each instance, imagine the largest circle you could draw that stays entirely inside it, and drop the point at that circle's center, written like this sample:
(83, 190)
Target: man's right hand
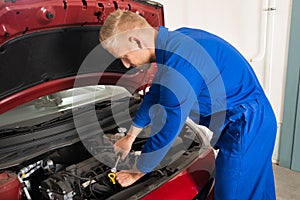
(123, 146)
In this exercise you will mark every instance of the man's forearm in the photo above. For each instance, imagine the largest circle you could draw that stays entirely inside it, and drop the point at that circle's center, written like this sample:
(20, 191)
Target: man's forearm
(133, 132)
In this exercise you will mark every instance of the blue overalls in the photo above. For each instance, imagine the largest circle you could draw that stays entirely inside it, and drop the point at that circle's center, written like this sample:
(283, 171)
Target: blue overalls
(203, 77)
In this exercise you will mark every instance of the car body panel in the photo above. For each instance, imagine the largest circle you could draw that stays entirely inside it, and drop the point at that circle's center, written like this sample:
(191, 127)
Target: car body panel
(22, 17)
(186, 185)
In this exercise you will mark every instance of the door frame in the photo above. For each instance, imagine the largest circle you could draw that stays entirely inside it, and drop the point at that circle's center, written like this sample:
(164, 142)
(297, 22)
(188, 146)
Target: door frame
(289, 149)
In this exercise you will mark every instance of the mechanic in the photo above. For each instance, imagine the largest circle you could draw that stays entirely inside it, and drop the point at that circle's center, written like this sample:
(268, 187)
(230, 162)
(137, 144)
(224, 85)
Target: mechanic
(203, 77)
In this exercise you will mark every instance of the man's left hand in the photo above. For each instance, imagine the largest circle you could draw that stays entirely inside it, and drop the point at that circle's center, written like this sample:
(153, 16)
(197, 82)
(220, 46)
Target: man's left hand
(127, 178)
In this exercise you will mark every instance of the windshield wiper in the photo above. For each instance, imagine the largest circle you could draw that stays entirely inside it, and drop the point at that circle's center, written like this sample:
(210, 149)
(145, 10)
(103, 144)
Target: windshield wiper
(63, 118)
(29, 129)
(10, 131)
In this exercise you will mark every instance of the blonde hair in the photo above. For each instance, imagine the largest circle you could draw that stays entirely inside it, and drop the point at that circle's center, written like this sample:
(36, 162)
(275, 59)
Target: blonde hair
(120, 21)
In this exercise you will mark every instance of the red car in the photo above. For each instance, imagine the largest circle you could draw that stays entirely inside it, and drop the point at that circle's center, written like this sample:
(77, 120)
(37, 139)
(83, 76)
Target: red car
(64, 101)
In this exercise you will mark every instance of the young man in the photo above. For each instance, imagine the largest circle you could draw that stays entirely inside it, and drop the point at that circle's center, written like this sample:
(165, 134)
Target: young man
(203, 77)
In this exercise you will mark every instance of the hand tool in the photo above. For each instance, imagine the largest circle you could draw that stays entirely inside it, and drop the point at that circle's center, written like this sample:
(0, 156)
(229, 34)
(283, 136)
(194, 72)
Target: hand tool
(114, 169)
(112, 174)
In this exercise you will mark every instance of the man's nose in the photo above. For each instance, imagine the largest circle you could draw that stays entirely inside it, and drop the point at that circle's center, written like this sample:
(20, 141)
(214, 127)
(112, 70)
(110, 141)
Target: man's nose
(125, 63)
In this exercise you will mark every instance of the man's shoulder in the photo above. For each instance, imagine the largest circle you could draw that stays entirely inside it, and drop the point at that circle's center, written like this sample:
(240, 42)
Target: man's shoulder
(190, 30)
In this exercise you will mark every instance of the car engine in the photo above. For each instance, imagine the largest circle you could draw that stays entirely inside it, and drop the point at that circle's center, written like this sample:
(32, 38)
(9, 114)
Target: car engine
(67, 167)
(88, 179)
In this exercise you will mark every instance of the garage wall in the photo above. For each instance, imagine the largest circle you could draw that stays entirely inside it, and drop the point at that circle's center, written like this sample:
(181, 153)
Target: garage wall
(259, 29)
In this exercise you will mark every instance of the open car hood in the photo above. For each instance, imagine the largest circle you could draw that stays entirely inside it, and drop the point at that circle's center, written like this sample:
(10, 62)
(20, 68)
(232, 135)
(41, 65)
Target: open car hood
(44, 44)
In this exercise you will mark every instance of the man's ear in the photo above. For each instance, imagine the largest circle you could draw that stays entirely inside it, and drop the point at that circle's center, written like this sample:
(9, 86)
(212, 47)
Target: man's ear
(136, 40)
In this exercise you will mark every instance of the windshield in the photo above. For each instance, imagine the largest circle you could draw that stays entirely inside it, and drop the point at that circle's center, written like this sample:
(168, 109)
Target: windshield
(54, 105)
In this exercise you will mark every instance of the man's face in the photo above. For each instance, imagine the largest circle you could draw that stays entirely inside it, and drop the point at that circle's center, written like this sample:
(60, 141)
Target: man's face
(132, 53)
(135, 58)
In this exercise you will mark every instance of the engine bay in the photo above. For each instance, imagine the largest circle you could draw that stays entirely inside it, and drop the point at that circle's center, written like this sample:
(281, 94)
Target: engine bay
(73, 173)
(75, 170)
(52, 179)
(87, 179)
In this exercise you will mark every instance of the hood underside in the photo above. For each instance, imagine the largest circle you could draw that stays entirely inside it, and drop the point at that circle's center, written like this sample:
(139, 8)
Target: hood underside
(44, 41)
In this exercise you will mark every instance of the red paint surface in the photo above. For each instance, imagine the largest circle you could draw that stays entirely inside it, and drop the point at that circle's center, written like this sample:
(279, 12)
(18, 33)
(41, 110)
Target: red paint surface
(26, 16)
(10, 187)
(188, 183)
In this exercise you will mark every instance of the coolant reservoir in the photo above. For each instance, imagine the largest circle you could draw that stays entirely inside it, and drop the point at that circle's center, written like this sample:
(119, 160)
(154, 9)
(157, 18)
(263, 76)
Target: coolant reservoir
(10, 187)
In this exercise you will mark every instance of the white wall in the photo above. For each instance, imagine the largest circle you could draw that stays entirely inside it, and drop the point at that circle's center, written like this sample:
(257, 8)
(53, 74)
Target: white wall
(261, 36)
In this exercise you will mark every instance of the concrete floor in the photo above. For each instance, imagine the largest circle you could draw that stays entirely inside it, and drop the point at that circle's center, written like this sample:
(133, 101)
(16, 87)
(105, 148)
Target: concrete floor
(287, 183)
